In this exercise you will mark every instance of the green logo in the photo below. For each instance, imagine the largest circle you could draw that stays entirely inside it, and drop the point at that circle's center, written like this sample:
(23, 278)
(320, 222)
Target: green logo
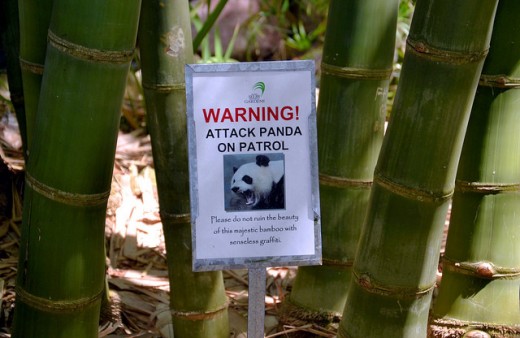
(260, 86)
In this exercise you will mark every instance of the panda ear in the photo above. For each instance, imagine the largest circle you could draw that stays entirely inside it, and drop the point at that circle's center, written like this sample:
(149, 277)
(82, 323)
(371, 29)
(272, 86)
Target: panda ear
(262, 161)
(235, 169)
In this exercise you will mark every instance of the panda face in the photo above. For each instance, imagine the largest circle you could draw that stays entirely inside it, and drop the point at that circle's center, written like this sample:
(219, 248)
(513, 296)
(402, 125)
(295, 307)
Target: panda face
(258, 185)
(252, 182)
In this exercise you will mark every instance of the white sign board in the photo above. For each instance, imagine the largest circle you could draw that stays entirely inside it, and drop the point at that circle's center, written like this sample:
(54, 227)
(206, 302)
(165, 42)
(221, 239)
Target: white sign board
(253, 164)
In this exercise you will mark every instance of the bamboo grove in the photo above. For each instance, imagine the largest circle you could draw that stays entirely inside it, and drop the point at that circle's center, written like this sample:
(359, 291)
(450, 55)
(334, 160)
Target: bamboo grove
(452, 140)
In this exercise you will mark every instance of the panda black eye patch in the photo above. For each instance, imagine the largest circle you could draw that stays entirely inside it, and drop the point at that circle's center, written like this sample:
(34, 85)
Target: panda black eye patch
(248, 179)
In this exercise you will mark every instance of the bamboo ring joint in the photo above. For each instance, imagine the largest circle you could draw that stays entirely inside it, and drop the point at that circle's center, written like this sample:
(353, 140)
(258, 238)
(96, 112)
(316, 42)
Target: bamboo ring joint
(89, 54)
(486, 188)
(411, 192)
(175, 218)
(371, 285)
(343, 182)
(425, 50)
(499, 81)
(31, 67)
(164, 88)
(356, 73)
(55, 306)
(64, 197)
(193, 315)
(481, 269)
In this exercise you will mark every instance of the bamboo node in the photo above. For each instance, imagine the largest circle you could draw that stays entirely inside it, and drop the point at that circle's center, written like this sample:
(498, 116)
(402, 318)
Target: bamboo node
(56, 195)
(295, 313)
(89, 54)
(175, 218)
(338, 263)
(164, 88)
(356, 73)
(439, 326)
(499, 81)
(411, 192)
(194, 315)
(486, 188)
(481, 269)
(425, 50)
(344, 182)
(369, 284)
(55, 306)
(31, 67)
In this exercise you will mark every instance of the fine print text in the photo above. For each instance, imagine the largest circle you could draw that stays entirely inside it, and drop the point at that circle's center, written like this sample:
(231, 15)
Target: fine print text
(259, 230)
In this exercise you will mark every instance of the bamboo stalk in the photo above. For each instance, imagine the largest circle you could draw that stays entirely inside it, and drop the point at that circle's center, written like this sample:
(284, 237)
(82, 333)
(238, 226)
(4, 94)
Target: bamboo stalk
(35, 16)
(10, 39)
(198, 301)
(395, 266)
(481, 265)
(356, 68)
(62, 264)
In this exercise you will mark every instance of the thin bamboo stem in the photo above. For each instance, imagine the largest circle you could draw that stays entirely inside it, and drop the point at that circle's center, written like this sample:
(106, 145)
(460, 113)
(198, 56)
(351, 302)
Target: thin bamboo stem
(198, 302)
(35, 16)
(10, 40)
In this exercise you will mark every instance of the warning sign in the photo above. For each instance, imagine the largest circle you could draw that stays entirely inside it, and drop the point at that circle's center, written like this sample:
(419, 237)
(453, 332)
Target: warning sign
(253, 164)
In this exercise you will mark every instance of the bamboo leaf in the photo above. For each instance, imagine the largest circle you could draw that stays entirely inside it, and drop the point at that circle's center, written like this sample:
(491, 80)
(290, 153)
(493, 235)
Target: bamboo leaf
(208, 24)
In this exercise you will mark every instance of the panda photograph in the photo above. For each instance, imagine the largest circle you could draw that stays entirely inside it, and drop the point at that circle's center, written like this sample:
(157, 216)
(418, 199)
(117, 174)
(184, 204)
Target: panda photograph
(254, 182)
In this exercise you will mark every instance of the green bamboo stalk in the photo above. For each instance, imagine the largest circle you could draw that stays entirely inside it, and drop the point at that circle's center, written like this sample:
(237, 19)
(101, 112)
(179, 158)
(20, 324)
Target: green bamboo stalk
(481, 265)
(10, 39)
(198, 301)
(61, 268)
(35, 16)
(396, 262)
(356, 68)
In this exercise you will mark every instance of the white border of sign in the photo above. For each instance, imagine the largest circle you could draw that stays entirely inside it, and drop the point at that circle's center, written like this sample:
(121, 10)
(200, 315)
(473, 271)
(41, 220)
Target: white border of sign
(245, 232)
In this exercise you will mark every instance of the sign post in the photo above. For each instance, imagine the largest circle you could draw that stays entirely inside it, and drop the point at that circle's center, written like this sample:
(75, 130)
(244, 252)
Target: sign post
(256, 303)
(253, 170)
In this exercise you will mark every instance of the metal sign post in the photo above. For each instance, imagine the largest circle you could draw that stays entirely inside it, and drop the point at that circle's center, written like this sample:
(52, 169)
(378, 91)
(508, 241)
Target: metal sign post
(256, 302)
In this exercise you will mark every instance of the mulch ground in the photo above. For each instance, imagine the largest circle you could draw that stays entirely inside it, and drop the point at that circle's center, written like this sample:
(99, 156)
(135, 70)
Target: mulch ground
(136, 256)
